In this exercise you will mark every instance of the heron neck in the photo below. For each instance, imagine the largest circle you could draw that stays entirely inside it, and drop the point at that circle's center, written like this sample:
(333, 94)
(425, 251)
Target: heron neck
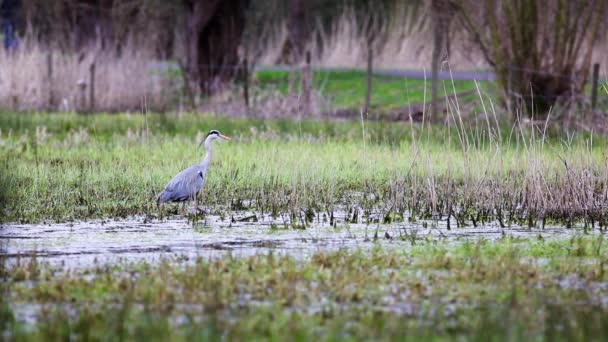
(207, 158)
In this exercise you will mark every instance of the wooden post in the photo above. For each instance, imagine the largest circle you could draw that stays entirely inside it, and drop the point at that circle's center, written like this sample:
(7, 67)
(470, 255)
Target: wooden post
(291, 77)
(49, 80)
(246, 84)
(14, 101)
(509, 90)
(92, 87)
(82, 96)
(306, 84)
(437, 45)
(187, 86)
(442, 13)
(596, 75)
(368, 83)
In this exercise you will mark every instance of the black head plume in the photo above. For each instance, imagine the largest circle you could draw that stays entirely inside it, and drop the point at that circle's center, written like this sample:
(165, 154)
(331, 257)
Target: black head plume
(212, 132)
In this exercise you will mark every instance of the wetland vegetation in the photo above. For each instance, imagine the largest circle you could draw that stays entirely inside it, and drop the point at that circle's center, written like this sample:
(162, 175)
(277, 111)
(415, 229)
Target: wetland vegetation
(398, 170)
(66, 167)
(507, 289)
(62, 167)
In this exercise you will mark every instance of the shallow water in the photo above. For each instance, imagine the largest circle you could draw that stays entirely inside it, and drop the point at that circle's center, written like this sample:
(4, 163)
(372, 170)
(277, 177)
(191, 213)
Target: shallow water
(94, 243)
(105, 242)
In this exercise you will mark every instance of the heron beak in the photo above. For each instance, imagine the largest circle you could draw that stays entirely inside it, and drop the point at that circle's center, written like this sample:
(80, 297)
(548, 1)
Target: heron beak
(224, 137)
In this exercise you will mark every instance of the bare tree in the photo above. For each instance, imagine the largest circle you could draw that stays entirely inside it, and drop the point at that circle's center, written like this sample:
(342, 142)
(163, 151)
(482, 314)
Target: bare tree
(108, 25)
(199, 12)
(540, 49)
(214, 31)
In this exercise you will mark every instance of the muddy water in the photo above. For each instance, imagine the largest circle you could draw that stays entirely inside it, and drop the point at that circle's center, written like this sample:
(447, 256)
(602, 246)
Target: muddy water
(85, 244)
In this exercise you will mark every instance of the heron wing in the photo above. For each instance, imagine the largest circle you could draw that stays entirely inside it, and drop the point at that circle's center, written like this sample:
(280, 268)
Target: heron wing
(185, 185)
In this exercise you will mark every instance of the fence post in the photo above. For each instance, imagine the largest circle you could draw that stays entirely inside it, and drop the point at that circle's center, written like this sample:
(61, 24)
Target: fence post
(435, 66)
(82, 96)
(188, 91)
(596, 75)
(368, 82)
(246, 84)
(306, 84)
(92, 87)
(509, 90)
(49, 79)
(291, 77)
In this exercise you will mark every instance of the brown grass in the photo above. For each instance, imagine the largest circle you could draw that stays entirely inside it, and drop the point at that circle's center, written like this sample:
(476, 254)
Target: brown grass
(126, 82)
(398, 47)
(135, 80)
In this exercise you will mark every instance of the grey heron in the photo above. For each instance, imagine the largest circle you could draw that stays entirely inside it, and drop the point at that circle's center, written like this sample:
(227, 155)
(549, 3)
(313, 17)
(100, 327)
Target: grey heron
(188, 183)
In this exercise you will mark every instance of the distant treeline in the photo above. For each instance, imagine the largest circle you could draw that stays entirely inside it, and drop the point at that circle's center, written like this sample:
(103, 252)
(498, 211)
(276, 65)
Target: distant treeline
(159, 25)
(205, 35)
(542, 51)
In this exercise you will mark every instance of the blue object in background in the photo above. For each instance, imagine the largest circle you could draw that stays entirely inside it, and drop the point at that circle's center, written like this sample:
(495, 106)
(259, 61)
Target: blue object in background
(8, 33)
(9, 10)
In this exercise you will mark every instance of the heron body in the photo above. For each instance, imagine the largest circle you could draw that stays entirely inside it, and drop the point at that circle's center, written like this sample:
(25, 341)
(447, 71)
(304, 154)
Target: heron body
(188, 183)
(184, 186)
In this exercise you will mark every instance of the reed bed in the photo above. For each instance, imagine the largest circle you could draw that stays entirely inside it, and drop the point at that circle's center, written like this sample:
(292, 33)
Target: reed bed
(131, 81)
(63, 166)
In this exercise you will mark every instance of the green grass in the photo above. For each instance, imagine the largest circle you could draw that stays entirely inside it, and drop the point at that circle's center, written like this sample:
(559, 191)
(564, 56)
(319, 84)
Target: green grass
(64, 167)
(346, 89)
(509, 289)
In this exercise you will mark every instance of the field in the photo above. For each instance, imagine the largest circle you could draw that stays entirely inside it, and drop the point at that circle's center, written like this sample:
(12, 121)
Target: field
(410, 203)
(346, 89)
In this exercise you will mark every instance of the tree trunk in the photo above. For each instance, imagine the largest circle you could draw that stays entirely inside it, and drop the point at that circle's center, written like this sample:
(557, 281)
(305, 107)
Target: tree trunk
(214, 31)
(442, 14)
(297, 37)
(298, 30)
(199, 13)
(436, 61)
(540, 50)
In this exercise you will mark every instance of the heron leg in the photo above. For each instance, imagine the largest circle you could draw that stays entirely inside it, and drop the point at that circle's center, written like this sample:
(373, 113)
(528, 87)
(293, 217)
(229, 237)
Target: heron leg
(160, 212)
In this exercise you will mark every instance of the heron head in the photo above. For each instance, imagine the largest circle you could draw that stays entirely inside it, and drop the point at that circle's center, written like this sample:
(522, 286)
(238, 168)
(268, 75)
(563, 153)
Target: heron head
(214, 135)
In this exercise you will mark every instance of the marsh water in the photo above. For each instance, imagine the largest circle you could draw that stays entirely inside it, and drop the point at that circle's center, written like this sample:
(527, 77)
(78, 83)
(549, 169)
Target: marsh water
(99, 242)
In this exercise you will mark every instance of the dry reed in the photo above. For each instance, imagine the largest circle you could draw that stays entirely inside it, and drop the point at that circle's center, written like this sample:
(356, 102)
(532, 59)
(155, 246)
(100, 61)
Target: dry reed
(125, 82)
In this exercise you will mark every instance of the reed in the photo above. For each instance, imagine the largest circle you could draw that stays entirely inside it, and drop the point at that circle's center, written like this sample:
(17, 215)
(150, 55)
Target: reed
(64, 166)
(129, 81)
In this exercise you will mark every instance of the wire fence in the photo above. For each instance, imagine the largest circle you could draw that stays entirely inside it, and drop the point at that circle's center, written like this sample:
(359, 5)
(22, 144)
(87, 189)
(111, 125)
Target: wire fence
(317, 90)
(351, 91)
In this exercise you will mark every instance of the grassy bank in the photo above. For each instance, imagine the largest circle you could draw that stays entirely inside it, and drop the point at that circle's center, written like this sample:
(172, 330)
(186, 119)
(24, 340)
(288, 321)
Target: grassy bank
(543, 290)
(64, 166)
(346, 89)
